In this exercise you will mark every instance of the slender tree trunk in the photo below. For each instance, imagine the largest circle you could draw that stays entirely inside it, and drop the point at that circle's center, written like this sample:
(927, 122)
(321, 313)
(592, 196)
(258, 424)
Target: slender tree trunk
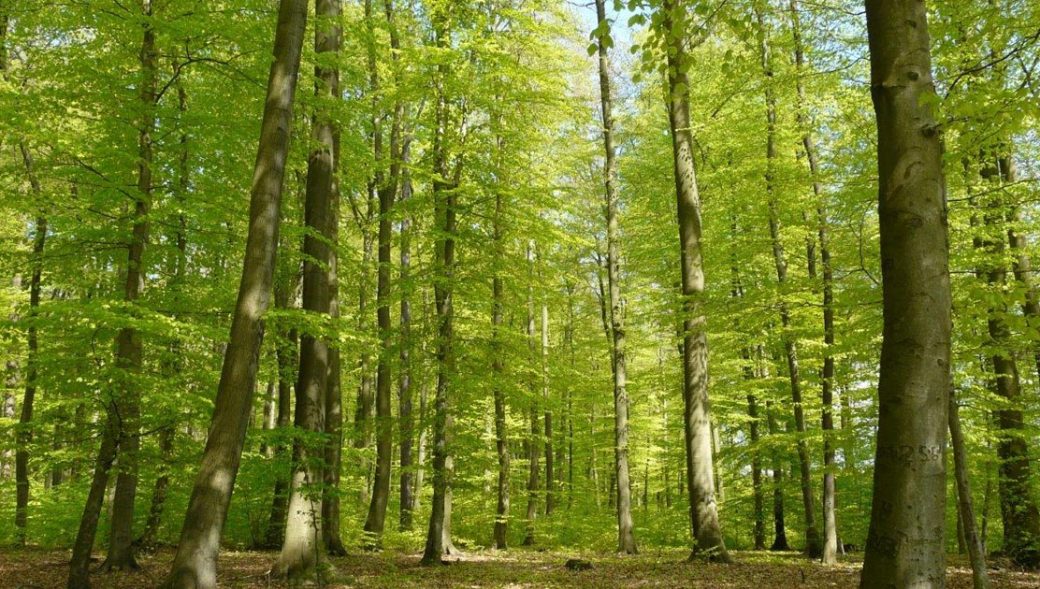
(148, 539)
(438, 536)
(25, 423)
(965, 510)
(626, 536)
(830, 526)
(407, 422)
(779, 526)
(287, 359)
(905, 544)
(194, 566)
(535, 432)
(79, 574)
(497, 371)
(550, 477)
(813, 542)
(129, 348)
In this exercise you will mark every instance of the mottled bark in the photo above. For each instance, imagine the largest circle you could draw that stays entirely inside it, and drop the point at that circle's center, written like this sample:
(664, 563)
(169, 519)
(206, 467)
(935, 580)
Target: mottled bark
(704, 516)
(905, 544)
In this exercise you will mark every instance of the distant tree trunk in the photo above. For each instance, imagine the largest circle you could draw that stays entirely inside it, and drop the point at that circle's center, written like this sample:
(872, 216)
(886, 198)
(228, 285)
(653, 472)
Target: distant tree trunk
(386, 192)
(438, 536)
(905, 546)
(697, 413)
(194, 566)
(756, 460)
(535, 432)
(147, 540)
(79, 575)
(497, 374)
(303, 547)
(407, 427)
(830, 525)
(779, 526)
(129, 348)
(626, 536)
(550, 477)
(965, 510)
(287, 359)
(813, 543)
(25, 423)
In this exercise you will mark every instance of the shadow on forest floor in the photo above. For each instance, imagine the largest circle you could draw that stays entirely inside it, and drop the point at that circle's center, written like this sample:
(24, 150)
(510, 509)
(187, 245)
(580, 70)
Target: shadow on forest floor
(515, 569)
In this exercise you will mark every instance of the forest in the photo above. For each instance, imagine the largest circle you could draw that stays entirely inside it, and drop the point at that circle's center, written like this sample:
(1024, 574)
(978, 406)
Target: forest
(519, 293)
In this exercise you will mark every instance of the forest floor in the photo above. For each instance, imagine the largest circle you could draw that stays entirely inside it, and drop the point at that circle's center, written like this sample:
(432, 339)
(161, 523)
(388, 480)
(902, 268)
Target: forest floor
(516, 569)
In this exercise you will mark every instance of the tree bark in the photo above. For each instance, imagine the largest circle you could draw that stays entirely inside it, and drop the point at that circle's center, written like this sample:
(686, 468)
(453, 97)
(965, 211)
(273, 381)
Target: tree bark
(535, 431)
(497, 370)
(626, 535)
(965, 510)
(547, 417)
(905, 543)
(304, 545)
(25, 422)
(194, 566)
(438, 536)
(830, 525)
(405, 393)
(704, 516)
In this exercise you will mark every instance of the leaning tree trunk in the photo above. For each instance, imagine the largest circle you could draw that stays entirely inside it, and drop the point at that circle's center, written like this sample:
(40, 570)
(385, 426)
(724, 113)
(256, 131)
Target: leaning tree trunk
(965, 509)
(905, 544)
(697, 413)
(626, 536)
(303, 546)
(194, 566)
(830, 525)
(286, 352)
(25, 423)
(813, 543)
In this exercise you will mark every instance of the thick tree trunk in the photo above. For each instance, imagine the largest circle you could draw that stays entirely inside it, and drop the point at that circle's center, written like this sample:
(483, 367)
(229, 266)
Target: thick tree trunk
(704, 515)
(194, 566)
(25, 422)
(626, 536)
(905, 546)
(813, 542)
(965, 510)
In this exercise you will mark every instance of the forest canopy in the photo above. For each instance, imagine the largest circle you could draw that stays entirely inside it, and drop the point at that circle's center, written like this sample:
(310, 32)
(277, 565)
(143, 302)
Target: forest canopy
(493, 277)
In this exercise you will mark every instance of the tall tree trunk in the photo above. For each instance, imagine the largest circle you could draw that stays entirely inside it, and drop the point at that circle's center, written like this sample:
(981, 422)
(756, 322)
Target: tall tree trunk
(704, 514)
(779, 525)
(535, 432)
(79, 574)
(905, 546)
(438, 536)
(129, 348)
(626, 536)
(323, 198)
(386, 191)
(25, 423)
(813, 542)
(830, 525)
(148, 538)
(547, 418)
(405, 394)
(497, 372)
(303, 546)
(965, 510)
(194, 566)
